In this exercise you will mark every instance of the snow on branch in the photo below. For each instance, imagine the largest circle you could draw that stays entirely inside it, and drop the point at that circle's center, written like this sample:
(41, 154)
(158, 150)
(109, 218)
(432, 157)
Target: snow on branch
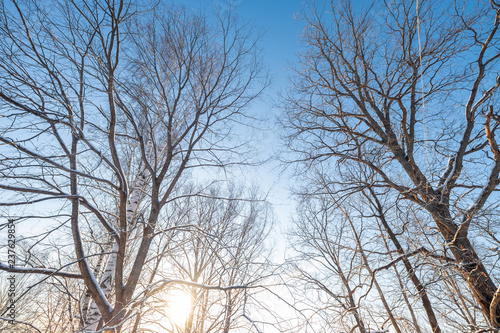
(411, 254)
(44, 271)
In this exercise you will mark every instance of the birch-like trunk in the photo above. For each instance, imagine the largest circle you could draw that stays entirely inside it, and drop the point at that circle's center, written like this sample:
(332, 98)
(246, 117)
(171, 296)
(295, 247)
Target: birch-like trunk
(108, 275)
(86, 298)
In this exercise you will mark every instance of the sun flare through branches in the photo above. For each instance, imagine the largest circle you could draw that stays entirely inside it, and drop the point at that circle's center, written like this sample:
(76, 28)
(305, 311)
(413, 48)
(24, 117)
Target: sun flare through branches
(179, 306)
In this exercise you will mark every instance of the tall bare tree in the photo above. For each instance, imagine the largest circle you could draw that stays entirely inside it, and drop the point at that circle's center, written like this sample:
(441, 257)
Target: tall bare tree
(362, 270)
(104, 106)
(220, 241)
(409, 90)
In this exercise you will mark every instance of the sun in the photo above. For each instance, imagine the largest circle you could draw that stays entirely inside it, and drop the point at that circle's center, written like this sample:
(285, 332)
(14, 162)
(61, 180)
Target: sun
(179, 306)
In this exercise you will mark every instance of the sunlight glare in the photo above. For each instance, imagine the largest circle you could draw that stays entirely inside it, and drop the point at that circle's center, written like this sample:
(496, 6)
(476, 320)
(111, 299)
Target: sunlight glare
(179, 306)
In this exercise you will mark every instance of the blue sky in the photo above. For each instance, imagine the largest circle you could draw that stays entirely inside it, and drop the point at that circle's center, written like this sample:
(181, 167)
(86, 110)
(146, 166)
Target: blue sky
(280, 43)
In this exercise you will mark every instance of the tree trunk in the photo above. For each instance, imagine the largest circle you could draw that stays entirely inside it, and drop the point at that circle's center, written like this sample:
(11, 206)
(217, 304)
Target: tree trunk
(426, 303)
(478, 279)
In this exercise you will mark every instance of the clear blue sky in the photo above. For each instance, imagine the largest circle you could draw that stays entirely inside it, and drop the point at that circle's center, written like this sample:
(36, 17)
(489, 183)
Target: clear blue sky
(280, 42)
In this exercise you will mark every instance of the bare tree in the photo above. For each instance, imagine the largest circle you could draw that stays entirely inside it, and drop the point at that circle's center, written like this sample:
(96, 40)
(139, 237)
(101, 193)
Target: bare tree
(384, 273)
(219, 241)
(334, 263)
(408, 89)
(104, 107)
